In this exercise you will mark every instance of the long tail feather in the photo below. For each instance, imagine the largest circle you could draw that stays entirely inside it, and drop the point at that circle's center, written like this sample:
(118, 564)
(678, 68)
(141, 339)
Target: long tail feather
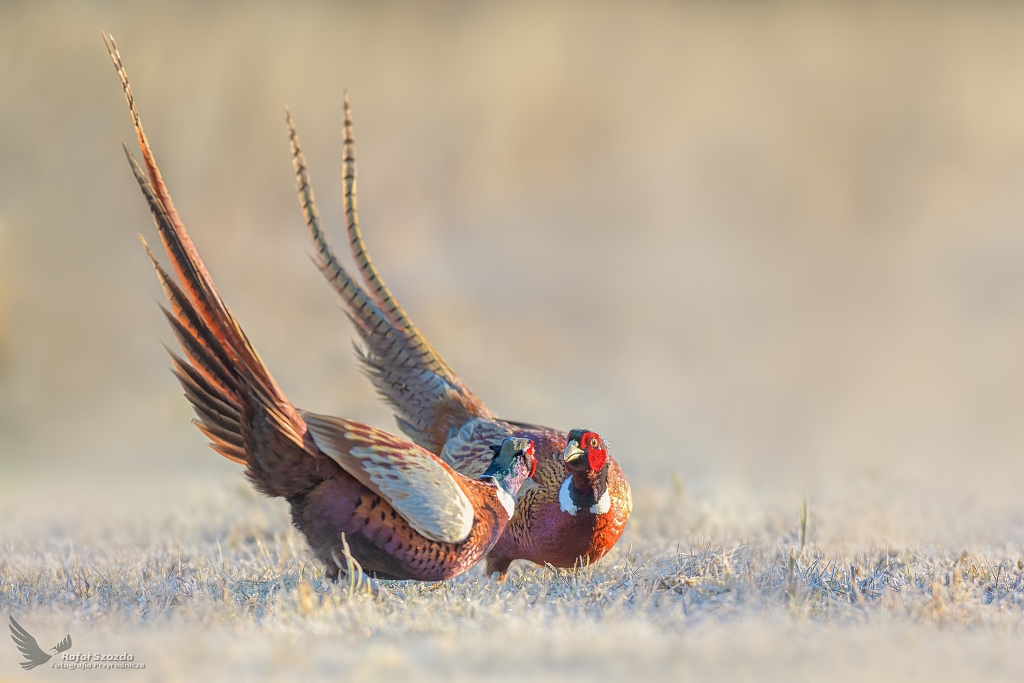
(375, 327)
(378, 288)
(238, 404)
(407, 372)
(178, 244)
(206, 304)
(227, 373)
(203, 349)
(159, 188)
(207, 309)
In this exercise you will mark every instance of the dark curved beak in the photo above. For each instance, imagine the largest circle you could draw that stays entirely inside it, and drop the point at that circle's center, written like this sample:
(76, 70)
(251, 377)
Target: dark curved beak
(572, 452)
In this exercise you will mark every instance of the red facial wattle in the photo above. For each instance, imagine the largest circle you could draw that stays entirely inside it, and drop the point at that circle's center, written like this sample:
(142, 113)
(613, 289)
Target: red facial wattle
(533, 459)
(594, 448)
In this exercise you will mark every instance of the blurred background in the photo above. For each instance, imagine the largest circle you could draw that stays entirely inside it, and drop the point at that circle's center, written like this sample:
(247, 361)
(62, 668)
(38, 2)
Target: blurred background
(766, 249)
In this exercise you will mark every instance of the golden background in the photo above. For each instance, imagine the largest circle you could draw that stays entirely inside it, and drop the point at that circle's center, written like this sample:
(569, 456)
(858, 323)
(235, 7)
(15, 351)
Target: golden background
(769, 248)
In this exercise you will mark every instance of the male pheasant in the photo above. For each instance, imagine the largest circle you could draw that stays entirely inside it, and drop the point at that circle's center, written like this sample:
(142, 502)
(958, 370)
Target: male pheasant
(576, 507)
(356, 492)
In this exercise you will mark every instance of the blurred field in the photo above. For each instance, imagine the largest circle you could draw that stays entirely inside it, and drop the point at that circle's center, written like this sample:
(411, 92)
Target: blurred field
(769, 250)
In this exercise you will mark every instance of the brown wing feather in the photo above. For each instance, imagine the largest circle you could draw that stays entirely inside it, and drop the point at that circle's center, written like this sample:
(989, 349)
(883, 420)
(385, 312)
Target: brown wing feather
(469, 450)
(422, 489)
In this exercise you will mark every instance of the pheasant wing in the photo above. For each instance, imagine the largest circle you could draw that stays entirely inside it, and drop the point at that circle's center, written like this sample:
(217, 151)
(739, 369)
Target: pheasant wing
(28, 646)
(429, 397)
(421, 488)
(470, 450)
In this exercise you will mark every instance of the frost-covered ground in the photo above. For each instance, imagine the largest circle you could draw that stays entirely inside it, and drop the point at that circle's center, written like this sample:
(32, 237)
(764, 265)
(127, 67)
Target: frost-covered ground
(207, 581)
(769, 250)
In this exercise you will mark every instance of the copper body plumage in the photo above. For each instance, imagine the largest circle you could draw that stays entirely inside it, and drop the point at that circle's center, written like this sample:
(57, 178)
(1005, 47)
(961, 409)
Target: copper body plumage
(542, 531)
(436, 409)
(363, 498)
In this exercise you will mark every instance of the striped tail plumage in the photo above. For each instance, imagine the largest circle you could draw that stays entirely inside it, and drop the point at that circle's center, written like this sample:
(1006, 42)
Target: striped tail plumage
(239, 406)
(431, 399)
(378, 288)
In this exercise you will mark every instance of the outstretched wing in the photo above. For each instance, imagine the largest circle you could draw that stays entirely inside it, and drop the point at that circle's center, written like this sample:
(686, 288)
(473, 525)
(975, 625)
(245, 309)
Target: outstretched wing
(414, 481)
(64, 644)
(431, 399)
(28, 646)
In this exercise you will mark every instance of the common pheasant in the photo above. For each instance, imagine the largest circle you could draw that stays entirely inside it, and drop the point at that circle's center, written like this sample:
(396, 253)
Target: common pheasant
(363, 498)
(576, 506)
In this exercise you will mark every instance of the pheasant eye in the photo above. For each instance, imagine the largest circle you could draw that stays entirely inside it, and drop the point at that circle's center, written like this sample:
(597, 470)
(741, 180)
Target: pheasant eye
(593, 442)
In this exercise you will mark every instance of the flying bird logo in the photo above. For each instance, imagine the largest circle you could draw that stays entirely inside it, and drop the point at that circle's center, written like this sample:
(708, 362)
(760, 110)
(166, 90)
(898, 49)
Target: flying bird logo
(34, 656)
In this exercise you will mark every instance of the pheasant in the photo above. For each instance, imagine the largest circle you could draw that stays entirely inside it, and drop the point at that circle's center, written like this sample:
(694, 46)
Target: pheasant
(575, 507)
(365, 500)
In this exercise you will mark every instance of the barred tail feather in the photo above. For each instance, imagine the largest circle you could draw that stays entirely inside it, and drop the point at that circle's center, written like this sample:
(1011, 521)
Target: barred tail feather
(238, 404)
(378, 288)
(405, 369)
